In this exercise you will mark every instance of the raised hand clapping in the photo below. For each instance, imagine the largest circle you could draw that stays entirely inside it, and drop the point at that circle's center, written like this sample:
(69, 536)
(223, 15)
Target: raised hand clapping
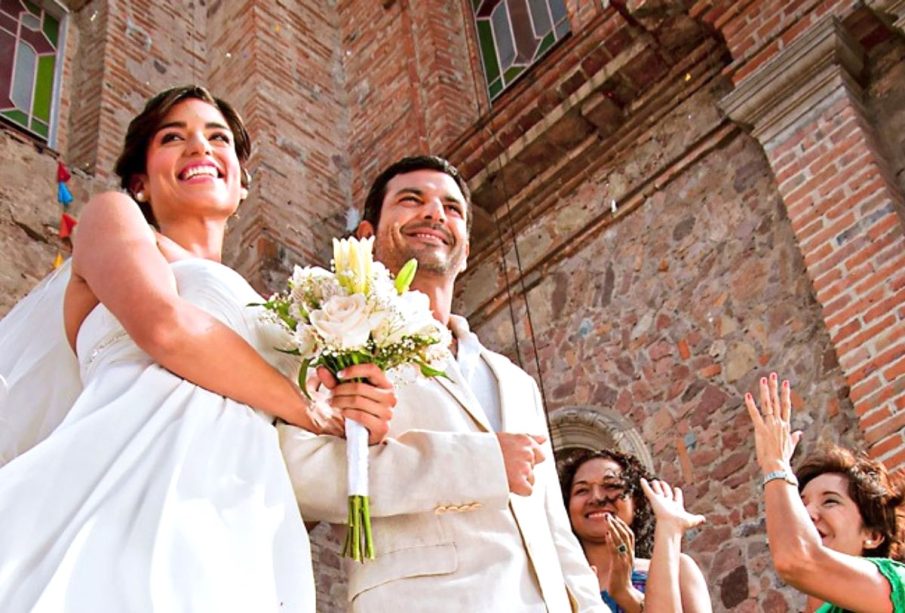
(668, 504)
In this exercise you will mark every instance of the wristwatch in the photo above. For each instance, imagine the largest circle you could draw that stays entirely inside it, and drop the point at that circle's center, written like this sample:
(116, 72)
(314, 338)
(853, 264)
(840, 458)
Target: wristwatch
(783, 474)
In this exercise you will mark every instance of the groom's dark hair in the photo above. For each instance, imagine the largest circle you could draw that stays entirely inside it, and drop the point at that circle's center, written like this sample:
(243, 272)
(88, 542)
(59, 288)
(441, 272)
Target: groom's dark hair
(378, 191)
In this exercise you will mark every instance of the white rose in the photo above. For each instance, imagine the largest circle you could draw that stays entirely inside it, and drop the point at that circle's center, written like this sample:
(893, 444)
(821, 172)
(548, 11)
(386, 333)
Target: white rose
(389, 330)
(415, 308)
(343, 321)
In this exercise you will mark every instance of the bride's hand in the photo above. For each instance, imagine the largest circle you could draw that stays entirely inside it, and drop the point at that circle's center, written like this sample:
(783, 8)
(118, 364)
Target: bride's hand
(367, 397)
(324, 418)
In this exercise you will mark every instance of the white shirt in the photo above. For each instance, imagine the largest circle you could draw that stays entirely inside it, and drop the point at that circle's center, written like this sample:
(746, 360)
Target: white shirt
(472, 372)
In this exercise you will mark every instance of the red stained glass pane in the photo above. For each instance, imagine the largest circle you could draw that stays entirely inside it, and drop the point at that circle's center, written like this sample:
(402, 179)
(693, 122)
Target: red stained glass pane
(486, 8)
(7, 52)
(11, 8)
(37, 40)
(523, 32)
(8, 24)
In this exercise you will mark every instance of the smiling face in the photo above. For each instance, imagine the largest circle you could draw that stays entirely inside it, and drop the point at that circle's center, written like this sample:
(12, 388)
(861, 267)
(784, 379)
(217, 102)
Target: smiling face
(423, 217)
(597, 491)
(835, 514)
(192, 167)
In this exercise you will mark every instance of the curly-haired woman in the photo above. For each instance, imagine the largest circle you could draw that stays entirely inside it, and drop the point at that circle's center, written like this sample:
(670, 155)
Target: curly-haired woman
(836, 526)
(612, 504)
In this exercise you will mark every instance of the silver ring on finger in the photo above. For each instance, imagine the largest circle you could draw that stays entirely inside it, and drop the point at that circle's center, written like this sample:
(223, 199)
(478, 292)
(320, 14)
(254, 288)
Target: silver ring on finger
(622, 549)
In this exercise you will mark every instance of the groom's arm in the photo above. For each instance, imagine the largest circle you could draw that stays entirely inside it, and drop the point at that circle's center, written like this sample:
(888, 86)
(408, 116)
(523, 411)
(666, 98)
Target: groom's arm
(418, 471)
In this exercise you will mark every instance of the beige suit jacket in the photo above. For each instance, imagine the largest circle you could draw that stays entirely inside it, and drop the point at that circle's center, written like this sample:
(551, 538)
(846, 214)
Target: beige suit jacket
(448, 535)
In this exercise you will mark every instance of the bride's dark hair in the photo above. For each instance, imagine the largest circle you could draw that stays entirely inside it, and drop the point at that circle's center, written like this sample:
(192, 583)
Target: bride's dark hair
(133, 158)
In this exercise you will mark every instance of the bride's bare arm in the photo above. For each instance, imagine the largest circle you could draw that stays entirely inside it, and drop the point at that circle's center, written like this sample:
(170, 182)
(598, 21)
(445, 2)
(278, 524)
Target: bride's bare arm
(115, 254)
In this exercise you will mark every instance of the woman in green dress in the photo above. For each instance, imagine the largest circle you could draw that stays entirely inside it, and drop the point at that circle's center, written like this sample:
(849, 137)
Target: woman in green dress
(836, 526)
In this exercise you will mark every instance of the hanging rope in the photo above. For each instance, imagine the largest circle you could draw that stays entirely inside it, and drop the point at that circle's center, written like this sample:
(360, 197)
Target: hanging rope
(518, 350)
(194, 41)
(521, 272)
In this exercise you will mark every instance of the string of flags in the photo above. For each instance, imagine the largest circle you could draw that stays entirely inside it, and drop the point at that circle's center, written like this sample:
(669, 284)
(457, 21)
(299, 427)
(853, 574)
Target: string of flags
(64, 197)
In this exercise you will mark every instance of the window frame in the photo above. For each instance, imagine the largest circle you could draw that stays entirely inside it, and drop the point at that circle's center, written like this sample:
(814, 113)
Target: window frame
(61, 13)
(506, 86)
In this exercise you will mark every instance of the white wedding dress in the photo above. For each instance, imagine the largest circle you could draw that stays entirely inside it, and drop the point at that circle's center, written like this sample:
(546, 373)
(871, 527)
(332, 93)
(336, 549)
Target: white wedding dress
(151, 493)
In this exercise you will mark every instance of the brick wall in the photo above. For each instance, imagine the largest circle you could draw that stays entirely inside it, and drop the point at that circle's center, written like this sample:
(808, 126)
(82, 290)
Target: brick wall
(838, 179)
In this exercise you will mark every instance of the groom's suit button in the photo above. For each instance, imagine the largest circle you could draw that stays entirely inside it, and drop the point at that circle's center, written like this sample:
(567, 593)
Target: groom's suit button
(457, 508)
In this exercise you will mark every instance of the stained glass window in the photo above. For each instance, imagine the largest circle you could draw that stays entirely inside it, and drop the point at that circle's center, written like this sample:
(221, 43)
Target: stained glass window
(514, 34)
(29, 48)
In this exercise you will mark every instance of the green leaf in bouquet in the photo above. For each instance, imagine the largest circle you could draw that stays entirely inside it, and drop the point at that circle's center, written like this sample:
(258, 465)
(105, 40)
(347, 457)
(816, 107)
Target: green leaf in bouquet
(303, 377)
(406, 276)
(429, 371)
(282, 311)
(295, 352)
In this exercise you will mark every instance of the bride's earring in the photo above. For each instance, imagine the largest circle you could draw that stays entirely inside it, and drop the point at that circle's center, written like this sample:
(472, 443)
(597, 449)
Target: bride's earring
(141, 197)
(243, 194)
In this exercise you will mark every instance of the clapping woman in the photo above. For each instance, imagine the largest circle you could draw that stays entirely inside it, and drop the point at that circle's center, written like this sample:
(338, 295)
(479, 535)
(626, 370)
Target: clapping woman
(613, 504)
(836, 526)
(162, 488)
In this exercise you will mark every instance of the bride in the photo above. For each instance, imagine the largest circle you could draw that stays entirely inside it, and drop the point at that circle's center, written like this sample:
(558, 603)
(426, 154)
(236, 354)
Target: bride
(137, 475)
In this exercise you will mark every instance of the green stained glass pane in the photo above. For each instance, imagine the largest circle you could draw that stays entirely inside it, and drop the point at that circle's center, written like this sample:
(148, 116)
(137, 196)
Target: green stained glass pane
(512, 73)
(16, 115)
(43, 88)
(39, 127)
(51, 29)
(545, 44)
(32, 7)
(495, 88)
(488, 50)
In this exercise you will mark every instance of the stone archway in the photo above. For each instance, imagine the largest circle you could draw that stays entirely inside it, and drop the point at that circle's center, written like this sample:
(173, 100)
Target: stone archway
(585, 427)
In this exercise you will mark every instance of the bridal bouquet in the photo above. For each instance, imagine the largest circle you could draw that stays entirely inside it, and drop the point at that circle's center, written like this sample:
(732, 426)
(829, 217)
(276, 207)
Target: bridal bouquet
(358, 314)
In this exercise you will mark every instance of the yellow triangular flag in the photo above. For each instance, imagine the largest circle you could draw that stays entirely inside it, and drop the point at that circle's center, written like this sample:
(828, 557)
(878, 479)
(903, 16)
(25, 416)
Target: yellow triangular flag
(58, 261)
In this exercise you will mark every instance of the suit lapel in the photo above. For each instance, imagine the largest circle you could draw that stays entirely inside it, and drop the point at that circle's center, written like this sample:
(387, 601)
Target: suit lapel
(474, 411)
(497, 369)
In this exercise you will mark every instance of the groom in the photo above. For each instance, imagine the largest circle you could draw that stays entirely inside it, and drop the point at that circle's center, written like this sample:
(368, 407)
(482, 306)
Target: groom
(466, 509)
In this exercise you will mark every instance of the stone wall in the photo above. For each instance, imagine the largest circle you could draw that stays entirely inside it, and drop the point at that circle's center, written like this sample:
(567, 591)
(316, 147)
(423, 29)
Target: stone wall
(668, 316)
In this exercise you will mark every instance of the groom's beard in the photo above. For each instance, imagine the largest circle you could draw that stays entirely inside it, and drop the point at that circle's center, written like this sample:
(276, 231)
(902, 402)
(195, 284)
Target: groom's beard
(447, 261)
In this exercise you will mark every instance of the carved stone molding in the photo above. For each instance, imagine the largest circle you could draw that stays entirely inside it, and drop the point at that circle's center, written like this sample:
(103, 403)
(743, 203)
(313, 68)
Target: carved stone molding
(890, 11)
(798, 79)
(597, 428)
